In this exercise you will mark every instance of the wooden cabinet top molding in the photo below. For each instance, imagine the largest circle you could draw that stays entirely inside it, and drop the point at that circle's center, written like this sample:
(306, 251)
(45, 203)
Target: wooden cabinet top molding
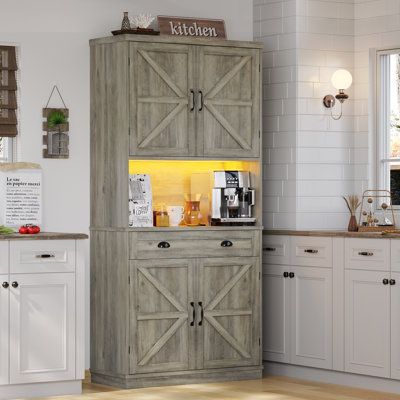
(45, 236)
(175, 40)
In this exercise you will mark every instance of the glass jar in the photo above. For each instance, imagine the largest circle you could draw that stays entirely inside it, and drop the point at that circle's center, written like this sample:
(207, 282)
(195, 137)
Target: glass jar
(192, 215)
(162, 218)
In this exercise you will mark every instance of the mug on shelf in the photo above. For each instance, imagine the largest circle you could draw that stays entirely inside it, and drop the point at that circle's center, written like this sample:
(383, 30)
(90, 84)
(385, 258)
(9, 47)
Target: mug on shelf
(175, 215)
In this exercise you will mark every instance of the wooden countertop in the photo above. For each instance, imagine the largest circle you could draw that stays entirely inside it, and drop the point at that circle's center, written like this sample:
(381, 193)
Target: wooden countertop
(45, 236)
(366, 235)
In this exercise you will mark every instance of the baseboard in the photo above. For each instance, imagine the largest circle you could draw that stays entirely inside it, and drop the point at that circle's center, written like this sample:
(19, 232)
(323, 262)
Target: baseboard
(332, 377)
(40, 389)
(88, 378)
(177, 378)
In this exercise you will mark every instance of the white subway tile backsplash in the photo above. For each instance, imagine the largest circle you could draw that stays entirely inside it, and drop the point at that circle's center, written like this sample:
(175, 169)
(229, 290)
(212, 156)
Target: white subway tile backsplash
(327, 172)
(271, 11)
(323, 155)
(282, 74)
(281, 155)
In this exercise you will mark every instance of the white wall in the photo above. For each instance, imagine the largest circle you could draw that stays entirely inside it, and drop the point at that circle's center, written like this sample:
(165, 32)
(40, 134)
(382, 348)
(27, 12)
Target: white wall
(53, 38)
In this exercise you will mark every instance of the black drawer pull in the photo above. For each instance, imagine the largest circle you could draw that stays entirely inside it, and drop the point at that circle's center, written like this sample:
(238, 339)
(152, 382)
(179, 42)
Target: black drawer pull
(291, 275)
(164, 245)
(311, 251)
(392, 282)
(385, 281)
(201, 313)
(269, 248)
(286, 274)
(14, 285)
(226, 243)
(365, 253)
(5, 285)
(45, 256)
(194, 313)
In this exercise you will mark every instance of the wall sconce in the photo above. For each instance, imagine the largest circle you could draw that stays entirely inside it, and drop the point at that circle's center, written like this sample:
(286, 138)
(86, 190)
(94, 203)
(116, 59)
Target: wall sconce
(341, 80)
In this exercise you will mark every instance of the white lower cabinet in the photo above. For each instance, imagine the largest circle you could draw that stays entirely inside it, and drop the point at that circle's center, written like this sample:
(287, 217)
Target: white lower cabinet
(297, 306)
(42, 327)
(367, 323)
(395, 325)
(311, 321)
(4, 329)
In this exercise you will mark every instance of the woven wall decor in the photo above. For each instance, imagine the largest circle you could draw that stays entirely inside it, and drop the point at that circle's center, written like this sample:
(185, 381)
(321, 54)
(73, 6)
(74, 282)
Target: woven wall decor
(56, 130)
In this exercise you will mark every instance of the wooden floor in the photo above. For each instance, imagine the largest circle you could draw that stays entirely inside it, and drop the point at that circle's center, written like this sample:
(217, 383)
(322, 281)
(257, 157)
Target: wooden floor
(271, 388)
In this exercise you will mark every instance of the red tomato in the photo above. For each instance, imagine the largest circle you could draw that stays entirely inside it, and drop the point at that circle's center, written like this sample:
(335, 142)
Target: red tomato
(33, 229)
(23, 230)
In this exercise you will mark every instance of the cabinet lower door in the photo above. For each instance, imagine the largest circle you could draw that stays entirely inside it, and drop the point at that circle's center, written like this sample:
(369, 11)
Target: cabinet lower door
(4, 331)
(162, 321)
(42, 327)
(311, 308)
(395, 326)
(229, 312)
(367, 323)
(276, 314)
(228, 102)
(162, 113)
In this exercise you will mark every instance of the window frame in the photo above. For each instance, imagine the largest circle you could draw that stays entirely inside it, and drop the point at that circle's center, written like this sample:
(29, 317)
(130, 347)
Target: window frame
(382, 158)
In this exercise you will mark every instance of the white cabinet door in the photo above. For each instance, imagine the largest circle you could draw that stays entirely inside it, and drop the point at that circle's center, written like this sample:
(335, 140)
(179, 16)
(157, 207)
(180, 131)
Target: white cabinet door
(42, 327)
(4, 330)
(395, 326)
(311, 307)
(276, 309)
(367, 323)
(4, 257)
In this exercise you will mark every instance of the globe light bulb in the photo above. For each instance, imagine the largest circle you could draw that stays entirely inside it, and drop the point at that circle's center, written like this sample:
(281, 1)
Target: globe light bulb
(342, 79)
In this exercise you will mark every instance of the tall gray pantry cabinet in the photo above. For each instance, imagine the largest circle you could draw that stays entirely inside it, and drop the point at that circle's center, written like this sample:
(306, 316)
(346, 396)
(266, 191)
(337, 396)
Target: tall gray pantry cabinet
(189, 312)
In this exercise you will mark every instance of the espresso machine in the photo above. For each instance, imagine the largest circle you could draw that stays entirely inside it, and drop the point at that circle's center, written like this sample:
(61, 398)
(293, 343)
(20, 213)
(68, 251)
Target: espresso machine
(232, 199)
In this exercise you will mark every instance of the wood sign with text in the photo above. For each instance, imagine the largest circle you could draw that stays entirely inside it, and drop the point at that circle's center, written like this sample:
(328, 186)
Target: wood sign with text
(192, 27)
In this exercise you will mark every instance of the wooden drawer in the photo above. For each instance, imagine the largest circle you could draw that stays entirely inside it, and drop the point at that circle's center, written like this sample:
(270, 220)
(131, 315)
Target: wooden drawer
(193, 244)
(276, 249)
(395, 254)
(4, 257)
(367, 254)
(311, 251)
(38, 256)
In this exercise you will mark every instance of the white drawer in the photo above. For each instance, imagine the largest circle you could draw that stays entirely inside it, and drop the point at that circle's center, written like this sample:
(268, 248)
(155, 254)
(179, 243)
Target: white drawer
(395, 254)
(4, 257)
(276, 249)
(37, 256)
(309, 251)
(368, 254)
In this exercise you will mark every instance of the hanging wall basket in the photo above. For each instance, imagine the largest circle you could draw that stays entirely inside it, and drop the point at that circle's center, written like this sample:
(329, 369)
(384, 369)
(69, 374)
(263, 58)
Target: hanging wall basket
(56, 130)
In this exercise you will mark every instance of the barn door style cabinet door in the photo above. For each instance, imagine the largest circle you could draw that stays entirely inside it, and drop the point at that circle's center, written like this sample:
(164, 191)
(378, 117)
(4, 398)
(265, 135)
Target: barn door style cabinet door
(189, 100)
(195, 314)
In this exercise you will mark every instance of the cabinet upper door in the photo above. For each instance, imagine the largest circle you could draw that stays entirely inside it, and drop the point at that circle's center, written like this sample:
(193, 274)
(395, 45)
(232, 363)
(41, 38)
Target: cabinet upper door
(162, 333)
(311, 308)
(228, 102)
(367, 323)
(229, 307)
(162, 115)
(42, 327)
(4, 331)
(276, 314)
(395, 325)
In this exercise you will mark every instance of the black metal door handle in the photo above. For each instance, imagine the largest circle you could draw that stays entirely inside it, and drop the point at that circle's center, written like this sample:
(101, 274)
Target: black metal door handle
(45, 256)
(194, 313)
(392, 282)
(164, 245)
(201, 313)
(291, 275)
(385, 281)
(226, 243)
(201, 100)
(193, 100)
(366, 253)
(14, 284)
(269, 248)
(311, 251)
(5, 285)
(286, 274)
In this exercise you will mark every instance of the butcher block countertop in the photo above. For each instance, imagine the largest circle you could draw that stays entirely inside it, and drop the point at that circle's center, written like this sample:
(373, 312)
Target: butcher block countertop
(45, 236)
(366, 235)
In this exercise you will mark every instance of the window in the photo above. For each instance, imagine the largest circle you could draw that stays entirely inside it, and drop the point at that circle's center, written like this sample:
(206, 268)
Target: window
(8, 101)
(388, 122)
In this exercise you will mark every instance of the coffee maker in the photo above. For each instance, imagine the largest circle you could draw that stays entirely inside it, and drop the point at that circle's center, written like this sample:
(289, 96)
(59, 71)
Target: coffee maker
(232, 199)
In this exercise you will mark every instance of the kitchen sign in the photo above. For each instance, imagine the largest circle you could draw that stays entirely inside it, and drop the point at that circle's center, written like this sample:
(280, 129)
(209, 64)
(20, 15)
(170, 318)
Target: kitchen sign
(192, 27)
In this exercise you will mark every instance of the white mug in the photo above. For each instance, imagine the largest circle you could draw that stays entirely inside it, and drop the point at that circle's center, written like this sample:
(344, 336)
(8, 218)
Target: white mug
(175, 214)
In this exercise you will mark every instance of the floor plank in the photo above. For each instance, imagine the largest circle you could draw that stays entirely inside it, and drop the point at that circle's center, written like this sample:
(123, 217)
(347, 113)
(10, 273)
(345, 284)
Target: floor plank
(270, 388)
